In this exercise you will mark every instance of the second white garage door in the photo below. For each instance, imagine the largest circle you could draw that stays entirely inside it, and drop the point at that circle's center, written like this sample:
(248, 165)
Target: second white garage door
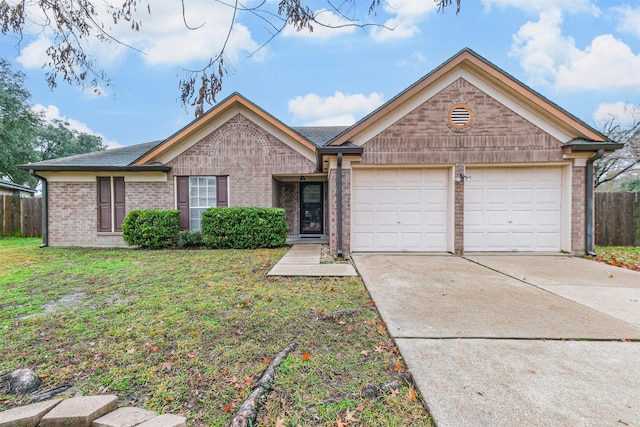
(400, 210)
(513, 209)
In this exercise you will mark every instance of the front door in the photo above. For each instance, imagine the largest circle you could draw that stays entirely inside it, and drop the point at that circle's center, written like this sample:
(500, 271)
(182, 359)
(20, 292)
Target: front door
(311, 209)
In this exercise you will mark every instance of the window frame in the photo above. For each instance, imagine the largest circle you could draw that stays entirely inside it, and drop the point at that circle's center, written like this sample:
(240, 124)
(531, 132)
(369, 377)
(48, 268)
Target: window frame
(183, 196)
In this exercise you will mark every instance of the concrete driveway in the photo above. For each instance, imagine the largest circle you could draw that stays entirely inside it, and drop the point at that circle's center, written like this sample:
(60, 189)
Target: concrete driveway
(495, 340)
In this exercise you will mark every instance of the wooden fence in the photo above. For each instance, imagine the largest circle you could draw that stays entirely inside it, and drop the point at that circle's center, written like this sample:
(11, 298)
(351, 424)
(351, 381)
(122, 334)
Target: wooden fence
(20, 216)
(617, 219)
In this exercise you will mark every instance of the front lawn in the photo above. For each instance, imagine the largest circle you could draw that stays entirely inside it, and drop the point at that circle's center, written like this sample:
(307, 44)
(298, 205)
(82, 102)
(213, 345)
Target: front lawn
(619, 256)
(190, 332)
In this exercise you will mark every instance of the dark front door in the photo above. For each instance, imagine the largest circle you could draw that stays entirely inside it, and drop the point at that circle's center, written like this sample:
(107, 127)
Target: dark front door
(311, 209)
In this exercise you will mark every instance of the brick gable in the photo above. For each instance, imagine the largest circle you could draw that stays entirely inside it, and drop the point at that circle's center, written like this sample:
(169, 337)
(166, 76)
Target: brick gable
(497, 134)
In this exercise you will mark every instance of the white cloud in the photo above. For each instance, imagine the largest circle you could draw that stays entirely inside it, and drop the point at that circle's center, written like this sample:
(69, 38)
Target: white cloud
(328, 25)
(405, 17)
(51, 113)
(628, 19)
(539, 6)
(163, 37)
(622, 112)
(336, 110)
(550, 58)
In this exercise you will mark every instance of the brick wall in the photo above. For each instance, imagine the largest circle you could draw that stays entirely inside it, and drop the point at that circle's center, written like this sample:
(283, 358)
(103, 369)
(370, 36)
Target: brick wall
(497, 134)
(578, 210)
(73, 213)
(246, 153)
(333, 210)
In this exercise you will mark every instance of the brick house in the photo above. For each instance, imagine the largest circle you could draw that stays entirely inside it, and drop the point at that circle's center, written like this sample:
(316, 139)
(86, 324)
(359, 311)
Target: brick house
(466, 159)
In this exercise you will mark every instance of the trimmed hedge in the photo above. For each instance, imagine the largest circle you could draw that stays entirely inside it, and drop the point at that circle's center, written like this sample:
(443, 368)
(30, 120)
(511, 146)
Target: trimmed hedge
(244, 227)
(151, 228)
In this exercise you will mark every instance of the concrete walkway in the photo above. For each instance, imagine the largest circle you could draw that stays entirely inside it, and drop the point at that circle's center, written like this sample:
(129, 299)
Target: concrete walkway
(514, 340)
(304, 260)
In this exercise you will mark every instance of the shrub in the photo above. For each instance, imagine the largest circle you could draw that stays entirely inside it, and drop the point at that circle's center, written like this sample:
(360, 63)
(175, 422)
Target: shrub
(244, 227)
(151, 228)
(189, 239)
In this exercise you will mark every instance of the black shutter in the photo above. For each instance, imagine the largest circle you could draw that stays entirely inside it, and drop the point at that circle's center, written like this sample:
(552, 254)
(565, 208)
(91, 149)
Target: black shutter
(118, 202)
(182, 184)
(104, 203)
(221, 191)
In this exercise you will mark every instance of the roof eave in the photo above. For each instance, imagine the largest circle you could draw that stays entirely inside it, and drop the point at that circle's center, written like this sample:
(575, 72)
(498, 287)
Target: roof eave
(586, 145)
(54, 168)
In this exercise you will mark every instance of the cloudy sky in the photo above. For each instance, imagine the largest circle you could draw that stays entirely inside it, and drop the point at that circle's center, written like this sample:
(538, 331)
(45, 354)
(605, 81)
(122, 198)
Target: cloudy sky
(584, 55)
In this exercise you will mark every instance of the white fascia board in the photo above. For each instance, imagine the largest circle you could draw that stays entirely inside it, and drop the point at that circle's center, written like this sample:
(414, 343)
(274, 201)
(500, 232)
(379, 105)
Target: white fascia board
(223, 118)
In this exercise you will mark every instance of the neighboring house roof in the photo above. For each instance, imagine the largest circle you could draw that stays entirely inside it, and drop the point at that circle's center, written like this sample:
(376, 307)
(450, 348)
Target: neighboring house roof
(470, 63)
(12, 186)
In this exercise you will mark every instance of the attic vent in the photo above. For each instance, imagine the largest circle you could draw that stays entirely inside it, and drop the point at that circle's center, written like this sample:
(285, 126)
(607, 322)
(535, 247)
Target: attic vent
(460, 116)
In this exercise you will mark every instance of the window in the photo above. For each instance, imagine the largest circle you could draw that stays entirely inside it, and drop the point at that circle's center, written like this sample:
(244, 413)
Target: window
(111, 208)
(195, 194)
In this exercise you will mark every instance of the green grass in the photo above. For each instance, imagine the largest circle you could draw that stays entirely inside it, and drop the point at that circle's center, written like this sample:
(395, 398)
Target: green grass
(620, 256)
(189, 332)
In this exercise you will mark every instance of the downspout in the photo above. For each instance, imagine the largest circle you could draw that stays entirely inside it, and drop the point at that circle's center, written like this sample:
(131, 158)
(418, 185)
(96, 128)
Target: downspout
(45, 209)
(339, 206)
(589, 191)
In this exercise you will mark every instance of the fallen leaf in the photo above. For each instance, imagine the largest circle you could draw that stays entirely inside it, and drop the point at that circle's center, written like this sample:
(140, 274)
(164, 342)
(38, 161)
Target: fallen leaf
(383, 324)
(131, 351)
(266, 361)
(339, 423)
(228, 407)
(378, 349)
(192, 354)
(167, 366)
(364, 353)
(394, 391)
(412, 394)
(399, 367)
(280, 422)
(349, 418)
(350, 329)
(306, 357)
(342, 322)
(360, 406)
(154, 348)
(248, 379)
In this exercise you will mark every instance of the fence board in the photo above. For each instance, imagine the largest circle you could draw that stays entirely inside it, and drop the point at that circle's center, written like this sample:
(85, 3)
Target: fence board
(11, 216)
(20, 216)
(617, 219)
(31, 217)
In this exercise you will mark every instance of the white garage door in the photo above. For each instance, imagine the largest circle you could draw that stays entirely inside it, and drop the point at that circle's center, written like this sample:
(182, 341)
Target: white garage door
(513, 209)
(399, 209)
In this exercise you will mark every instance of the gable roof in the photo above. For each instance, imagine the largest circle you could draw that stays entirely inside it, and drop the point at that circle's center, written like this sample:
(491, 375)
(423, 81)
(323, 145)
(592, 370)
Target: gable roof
(468, 62)
(235, 102)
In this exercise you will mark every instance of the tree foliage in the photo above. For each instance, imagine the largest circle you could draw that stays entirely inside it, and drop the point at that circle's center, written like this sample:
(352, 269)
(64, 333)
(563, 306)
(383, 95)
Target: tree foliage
(26, 137)
(74, 23)
(626, 161)
(18, 125)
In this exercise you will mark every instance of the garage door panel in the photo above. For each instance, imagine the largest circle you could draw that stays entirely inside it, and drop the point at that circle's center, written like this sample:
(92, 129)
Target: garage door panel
(410, 209)
(520, 209)
(386, 196)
